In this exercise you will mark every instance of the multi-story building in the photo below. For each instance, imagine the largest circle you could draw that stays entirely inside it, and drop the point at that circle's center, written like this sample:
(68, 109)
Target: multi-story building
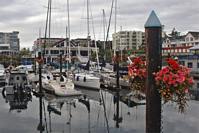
(179, 45)
(10, 38)
(128, 40)
(57, 46)
(48, 42)
(185, 48)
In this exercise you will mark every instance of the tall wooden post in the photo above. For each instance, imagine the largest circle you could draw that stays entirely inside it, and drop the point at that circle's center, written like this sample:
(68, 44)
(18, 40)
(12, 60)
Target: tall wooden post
(117, 90)
(153, 37)
(40, 126)
(60, 65)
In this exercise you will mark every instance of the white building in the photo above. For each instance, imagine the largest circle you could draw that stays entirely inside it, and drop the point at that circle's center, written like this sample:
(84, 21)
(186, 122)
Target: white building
(5, 49)
(177, 45)
(10, 38)
(128, 40)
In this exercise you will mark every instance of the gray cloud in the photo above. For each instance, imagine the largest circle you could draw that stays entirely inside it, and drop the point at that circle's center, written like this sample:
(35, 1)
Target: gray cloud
(28, 16)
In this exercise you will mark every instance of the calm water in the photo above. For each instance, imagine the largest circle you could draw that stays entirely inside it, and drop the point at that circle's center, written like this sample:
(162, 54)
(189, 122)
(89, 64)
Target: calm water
(75, 117)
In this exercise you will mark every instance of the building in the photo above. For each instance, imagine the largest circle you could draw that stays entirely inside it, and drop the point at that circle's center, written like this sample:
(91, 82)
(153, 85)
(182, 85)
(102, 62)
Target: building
(10, 38)
(128, 40)
(5, 49)
(59, 46)
(175, 44)
(49, 42)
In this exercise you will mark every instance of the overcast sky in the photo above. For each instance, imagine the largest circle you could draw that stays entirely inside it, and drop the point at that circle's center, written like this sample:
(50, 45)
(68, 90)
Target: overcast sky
(28, 16)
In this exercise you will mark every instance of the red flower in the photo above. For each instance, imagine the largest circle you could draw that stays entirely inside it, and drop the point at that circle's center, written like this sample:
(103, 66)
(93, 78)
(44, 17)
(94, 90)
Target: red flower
(172, 63)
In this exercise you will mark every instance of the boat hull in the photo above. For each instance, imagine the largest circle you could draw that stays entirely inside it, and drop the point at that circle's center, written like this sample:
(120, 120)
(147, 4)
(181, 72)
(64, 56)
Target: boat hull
(88, 83)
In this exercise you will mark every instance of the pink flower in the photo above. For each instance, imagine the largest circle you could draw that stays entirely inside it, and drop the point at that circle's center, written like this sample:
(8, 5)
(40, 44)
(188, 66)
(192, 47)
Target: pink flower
(190, 80)
(180, 79)
(165, 78)
(186, 90)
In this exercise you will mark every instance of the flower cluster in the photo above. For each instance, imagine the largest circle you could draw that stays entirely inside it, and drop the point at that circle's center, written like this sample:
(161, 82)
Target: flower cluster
(137, 68)
(137, 73)
(174, 82)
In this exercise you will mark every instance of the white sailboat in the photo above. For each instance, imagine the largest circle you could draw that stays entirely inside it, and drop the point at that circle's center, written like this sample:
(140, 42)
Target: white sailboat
(63, 86)
(87, 79)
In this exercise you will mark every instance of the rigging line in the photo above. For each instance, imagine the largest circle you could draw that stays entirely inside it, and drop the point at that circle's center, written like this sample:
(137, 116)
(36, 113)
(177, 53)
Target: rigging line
(46, 28)
(104, 111)
(68, 15)
(45, 116)
(50, 11)
(88, 30)
(95, 41)
(109, 22)
(98, 114)
(110, 108)
(50, 122)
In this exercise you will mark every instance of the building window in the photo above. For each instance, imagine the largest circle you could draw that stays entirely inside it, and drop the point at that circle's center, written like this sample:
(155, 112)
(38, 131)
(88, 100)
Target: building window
(182, 63)
(190, 65)
(191, 38)
(61, 51)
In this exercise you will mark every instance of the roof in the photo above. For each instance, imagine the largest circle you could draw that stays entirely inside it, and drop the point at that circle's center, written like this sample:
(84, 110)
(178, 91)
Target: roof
(194, 34)
(195, 47)
(153, 21)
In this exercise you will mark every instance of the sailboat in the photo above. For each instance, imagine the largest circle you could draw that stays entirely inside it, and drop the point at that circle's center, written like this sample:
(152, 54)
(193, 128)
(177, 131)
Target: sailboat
(87, 79)
(64, 86)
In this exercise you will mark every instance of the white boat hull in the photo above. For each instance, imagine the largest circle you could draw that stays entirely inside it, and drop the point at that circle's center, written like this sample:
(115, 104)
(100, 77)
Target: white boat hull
(87, 82)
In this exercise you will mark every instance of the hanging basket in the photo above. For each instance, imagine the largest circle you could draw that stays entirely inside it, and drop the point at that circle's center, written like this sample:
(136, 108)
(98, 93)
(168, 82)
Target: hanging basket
(174, 81)
(138, 84)
(137, 73)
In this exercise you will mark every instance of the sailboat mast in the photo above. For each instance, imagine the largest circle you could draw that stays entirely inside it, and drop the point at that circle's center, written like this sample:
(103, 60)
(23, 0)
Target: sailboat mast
(88, 28)
(104, 29)
(115, 15)
(46, 28)
(69, 50)
(50, 3)
(115, 24)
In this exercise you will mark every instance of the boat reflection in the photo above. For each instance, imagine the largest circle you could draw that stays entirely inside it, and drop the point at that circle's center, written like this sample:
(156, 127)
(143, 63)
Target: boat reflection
(17, 101)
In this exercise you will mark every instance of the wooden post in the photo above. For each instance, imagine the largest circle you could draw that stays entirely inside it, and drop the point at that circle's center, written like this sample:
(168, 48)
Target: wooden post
(60, 65)
(40, 126)
(117, 89)
(153, 34)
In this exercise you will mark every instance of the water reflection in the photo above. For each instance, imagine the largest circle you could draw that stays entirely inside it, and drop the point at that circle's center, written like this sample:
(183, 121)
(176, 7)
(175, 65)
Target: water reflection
(93, 112)
(18, 100)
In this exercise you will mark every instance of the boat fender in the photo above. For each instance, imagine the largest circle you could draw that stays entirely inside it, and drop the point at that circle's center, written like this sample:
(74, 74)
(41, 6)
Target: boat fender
(77, 78)
(3, 93)
(84, 79)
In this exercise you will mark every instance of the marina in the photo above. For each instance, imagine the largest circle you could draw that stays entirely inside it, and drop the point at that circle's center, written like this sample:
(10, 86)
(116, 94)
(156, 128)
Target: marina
(63, 74)
(25, 120)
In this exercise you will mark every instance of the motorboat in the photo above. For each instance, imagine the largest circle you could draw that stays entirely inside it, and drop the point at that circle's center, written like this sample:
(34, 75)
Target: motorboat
(17, 82)
(86, 80)
(63, 86)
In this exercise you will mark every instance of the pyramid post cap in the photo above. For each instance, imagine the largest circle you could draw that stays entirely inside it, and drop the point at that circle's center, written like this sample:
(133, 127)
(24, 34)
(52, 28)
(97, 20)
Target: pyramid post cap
(153, 21)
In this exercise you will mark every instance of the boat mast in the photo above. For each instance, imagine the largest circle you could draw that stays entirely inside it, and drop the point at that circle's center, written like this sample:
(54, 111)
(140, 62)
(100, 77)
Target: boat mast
(46, 28)
(49, 18)
(104, 29)
(115, 25)
(69, 50)
(88, 28)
